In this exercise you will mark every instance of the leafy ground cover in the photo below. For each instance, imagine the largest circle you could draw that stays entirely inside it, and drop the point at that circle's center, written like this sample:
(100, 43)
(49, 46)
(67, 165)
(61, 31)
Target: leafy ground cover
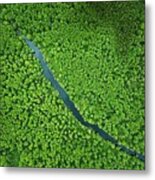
(96, 52)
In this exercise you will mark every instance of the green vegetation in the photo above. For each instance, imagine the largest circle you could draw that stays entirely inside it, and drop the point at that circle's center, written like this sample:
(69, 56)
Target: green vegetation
(96, 52)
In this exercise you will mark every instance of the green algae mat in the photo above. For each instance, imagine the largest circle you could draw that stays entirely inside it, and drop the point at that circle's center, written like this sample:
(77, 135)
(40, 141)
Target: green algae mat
(72, 85)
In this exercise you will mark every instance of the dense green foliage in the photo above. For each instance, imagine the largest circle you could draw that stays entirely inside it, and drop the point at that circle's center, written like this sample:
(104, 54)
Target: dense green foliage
(96, 52)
